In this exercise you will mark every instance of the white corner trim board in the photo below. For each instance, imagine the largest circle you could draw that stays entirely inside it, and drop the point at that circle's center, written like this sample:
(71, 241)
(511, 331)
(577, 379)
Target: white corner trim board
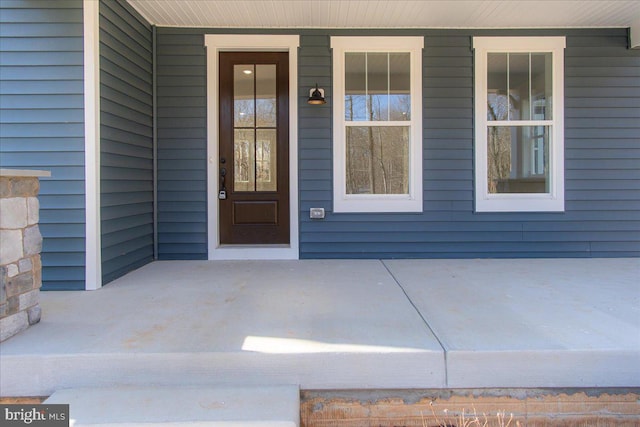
(214, 44)
(93, 259)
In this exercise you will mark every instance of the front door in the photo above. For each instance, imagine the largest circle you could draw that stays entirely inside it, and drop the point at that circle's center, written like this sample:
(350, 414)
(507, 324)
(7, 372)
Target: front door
(254, 148)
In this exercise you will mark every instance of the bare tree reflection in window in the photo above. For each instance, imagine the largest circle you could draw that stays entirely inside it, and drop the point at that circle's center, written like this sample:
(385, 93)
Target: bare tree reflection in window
(377, 160)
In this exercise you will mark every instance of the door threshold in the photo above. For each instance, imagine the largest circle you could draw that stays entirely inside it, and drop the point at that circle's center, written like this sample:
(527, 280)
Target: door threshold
(254, 252)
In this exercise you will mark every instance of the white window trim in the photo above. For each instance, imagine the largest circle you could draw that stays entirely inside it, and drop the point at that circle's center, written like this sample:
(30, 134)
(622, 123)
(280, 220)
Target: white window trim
(216, 43)
(548, 202)
(343, 202)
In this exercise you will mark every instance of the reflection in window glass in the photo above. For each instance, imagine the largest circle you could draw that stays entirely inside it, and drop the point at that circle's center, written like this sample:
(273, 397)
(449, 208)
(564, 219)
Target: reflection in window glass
(377, 160)
(244, 160)
(266, 95)
(377, 86)
(497, 105)
(243, 95)
(399, 87)
(355, 86)
(518, 156)
(254, 160)
(518, 159)
(541, 86)
(255, 123)
(266, 172)
(519, 139)
(519, 86)
(528, 76)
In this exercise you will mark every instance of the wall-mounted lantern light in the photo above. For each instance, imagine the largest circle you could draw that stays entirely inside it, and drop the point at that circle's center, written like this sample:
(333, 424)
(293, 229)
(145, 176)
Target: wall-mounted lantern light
(316, 96)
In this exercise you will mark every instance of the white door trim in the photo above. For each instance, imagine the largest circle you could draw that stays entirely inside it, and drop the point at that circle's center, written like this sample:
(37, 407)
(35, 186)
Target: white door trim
(216, 43)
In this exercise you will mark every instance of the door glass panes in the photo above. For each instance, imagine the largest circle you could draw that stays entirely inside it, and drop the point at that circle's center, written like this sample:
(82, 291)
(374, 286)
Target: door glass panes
(266, 176)
(255, 127)
(243, 95)
(377, 160)
(377, 86)
(266, 95)
(244, 177)
(518, 159)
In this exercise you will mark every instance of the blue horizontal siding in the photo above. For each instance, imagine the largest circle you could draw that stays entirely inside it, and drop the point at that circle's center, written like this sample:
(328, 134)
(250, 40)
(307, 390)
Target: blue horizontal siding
(42, 122)
(602, 81)
(602, 148)
(182, 145)
(126, 139)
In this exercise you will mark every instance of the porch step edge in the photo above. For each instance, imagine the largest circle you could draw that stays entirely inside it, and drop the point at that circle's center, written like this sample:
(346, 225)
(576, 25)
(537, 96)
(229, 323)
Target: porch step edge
(176, 406)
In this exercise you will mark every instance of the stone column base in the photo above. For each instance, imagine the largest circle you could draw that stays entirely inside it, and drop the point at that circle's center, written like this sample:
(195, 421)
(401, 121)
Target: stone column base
(20, 247)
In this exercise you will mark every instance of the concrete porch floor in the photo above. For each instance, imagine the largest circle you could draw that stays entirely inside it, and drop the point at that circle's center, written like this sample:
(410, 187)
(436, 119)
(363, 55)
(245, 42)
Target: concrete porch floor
(339, 324)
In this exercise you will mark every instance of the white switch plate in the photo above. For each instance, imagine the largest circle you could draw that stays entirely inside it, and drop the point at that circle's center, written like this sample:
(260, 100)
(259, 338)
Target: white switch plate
(316, 213)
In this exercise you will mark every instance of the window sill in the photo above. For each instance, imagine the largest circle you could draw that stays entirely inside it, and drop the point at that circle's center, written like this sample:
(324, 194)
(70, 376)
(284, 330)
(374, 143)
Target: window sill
(519, 203)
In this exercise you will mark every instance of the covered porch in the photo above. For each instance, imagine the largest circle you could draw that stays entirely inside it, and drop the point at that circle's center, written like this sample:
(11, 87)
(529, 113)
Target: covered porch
(340, 324)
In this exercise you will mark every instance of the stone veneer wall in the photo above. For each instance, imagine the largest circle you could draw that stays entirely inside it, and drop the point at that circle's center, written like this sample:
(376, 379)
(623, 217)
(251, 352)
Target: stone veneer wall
(20, 247)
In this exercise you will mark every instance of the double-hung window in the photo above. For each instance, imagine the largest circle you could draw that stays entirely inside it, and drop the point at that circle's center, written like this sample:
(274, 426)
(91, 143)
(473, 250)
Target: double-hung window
(377, 135)
(519, 120)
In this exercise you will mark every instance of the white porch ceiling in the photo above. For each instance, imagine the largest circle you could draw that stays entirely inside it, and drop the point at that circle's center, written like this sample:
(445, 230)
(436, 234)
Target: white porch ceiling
(390, 13)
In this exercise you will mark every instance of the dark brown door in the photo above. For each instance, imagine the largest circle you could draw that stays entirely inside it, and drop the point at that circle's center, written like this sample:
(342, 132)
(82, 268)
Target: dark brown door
(254, 148)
